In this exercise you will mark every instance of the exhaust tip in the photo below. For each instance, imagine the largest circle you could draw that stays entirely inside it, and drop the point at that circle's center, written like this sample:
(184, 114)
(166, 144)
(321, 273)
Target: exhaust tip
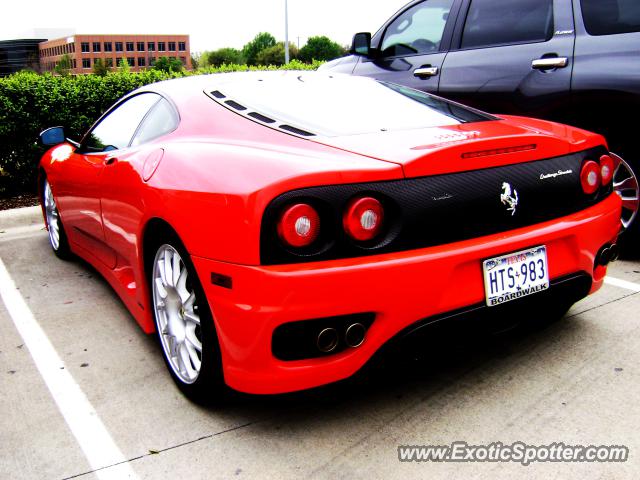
(327, 340)
(614, 251)
(354, 335)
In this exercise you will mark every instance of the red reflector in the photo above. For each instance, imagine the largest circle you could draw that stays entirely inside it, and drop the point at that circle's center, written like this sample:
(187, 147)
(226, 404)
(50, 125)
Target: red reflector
(606, 169)
(362, 220)
(499, 151)
(590, 177)
(299, 225)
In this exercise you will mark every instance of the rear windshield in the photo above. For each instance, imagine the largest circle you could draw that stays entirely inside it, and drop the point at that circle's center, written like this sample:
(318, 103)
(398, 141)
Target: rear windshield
(338, 105)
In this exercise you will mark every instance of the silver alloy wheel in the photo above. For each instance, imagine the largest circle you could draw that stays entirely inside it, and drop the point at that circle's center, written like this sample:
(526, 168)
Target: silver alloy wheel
(53, 220)
(176, 312)
(625, 184)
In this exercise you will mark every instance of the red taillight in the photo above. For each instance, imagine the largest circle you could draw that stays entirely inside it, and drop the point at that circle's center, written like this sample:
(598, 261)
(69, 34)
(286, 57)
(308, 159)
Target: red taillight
(606, 169)
(299, 225)
(590, 177)
(363, 218)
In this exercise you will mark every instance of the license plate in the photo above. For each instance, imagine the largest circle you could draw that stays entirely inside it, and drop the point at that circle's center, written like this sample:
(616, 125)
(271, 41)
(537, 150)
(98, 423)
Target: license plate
(515, 275)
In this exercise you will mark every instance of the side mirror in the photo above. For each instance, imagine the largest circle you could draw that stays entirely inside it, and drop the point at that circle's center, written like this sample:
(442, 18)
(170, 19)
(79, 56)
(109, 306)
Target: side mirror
(52, 136)
(361, 44)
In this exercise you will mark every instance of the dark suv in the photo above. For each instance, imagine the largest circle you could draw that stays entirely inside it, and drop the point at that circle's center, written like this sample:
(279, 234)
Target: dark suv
(571, 61)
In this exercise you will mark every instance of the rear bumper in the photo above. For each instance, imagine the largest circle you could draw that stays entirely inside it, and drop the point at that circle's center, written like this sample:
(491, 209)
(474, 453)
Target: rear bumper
(402, 289)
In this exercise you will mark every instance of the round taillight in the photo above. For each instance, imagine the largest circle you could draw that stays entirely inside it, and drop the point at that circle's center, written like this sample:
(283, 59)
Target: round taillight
(590, 177)
(363, 218)
(606, 169)
(299, 225)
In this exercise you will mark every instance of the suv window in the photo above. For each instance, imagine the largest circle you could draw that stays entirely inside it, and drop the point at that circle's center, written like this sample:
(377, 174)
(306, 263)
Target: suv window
(116, 129)
(161, 119)
(491, 23)
(608, 17)
(418, 30)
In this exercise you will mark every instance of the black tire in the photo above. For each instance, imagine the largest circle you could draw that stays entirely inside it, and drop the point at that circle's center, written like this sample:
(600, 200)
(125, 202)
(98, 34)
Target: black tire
(208, 385)
(57, 235)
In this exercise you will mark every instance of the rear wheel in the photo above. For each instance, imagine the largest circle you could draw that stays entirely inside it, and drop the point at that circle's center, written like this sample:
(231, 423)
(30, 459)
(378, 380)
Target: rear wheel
(57, 236)
(184, 323)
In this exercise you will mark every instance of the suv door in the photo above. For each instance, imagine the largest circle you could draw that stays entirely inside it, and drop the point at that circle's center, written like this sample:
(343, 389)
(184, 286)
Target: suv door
(512, 57)
(411, 47)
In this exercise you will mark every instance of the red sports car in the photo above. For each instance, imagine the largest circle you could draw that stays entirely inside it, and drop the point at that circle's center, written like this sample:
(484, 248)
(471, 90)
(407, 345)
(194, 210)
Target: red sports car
(276, 229)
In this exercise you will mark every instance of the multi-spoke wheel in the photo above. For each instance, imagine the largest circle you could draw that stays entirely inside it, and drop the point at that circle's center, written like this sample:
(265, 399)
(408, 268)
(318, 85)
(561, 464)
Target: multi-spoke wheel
(625, 184)
(184, 323)
(57, 237)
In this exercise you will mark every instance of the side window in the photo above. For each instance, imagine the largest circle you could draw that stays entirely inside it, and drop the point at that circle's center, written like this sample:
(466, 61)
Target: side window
(491, 23)
(418, 30)
(116, 129)
(161, 119)
(608, 17)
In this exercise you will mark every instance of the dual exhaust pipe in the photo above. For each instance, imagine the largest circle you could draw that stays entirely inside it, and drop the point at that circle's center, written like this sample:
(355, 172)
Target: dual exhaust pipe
(329, 338)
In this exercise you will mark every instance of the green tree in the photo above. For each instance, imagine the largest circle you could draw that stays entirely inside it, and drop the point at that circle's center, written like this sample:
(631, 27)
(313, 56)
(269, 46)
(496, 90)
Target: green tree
(195, 61)
(168, 64)
(260, 42)
(64, 65)
(100, 67)
(320, 48)
(225, 56)
(123, 66)
(275, 55)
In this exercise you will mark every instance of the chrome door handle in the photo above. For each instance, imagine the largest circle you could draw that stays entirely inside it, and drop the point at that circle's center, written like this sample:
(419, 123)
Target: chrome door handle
(425, 72)
(552, 62)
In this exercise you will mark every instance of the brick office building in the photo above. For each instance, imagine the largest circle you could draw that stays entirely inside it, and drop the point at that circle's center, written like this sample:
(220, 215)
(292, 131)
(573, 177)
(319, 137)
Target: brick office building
(140, 51)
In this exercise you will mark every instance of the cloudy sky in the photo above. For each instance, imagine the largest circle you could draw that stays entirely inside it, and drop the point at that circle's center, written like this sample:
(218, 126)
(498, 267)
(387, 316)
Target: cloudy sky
(212, 24)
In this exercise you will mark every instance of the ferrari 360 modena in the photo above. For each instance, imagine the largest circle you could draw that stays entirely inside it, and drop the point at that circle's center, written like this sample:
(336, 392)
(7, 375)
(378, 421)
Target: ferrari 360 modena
(276, 229)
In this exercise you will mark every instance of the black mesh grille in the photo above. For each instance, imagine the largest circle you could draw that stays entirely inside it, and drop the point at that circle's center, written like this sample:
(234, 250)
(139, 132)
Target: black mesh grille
(435, 210)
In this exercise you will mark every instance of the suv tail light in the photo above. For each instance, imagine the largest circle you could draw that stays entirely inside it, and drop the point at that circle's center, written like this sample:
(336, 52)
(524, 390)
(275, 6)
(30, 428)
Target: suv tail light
(590, 177)
(606, 169)
(299, 225)
(363, 218)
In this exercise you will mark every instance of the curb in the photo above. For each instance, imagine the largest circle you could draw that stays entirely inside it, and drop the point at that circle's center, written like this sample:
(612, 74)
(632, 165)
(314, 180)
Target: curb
(21, 217)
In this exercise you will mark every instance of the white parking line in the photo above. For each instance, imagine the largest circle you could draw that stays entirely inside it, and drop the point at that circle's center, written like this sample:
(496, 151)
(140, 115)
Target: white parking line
(616, 282)
(82, 419)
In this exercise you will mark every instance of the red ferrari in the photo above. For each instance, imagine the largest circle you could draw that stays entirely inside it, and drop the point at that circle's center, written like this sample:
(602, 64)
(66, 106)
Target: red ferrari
(276, 229)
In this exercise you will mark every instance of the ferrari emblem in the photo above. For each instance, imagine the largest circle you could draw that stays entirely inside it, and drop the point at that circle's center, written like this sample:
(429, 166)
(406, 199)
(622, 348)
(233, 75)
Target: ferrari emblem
(509, 197)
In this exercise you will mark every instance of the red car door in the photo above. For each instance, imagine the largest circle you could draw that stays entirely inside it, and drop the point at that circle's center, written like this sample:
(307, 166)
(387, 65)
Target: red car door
(78, 188)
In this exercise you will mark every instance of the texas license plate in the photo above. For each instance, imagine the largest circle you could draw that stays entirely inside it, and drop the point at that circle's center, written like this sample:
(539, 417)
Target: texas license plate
(515, 275)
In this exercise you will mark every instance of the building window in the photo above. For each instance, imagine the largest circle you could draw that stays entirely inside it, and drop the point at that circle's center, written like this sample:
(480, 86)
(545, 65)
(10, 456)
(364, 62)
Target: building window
(108, 62)
(86, 63)
(141, 62)
(84, 46)
(172, 46)
(151, 46)
(74, 63)
(96, 46)
(118, 61)
(129, 46)
(108, 47)
(182, 46)
(161, 47)
(118, 46)
(131, 61)
(152, 61)
(140, 46)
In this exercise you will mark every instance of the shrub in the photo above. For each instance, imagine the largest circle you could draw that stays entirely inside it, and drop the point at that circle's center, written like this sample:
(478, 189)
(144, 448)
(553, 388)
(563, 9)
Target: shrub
(30, 102)
(321, 48)
(275, 55)
(260, 42)
(225, 56)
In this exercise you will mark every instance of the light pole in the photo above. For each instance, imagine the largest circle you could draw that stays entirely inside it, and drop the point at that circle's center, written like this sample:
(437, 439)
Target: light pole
(286, 32)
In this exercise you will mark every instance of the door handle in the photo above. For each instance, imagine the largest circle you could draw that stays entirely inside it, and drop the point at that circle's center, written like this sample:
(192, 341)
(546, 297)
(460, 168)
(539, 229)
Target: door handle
(551, 62)
(426, 71)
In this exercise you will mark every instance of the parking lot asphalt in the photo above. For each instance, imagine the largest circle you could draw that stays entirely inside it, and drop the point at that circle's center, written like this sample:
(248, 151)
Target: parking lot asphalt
(574, 381)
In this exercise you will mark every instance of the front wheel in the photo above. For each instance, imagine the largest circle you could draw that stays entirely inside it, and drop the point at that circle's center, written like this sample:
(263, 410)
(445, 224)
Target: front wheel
(184, 323)
(57, 236)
